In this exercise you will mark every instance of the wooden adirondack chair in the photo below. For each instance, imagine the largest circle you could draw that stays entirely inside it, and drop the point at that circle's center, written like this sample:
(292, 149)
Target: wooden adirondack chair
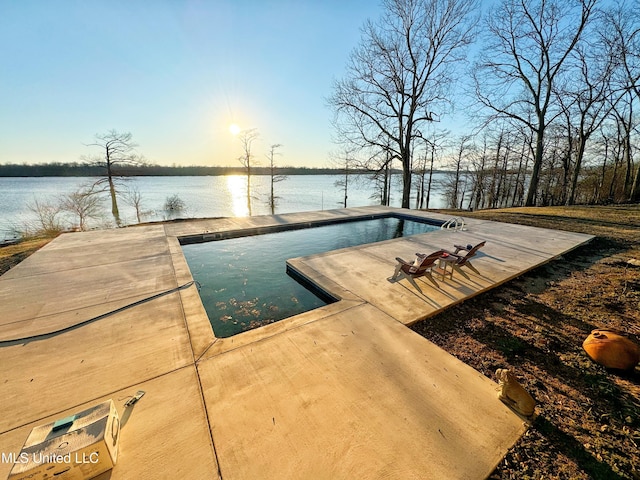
(420, 268)
(458, 261)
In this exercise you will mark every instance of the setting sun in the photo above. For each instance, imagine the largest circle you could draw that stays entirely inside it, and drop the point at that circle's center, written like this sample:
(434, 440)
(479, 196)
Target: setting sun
(234, 129)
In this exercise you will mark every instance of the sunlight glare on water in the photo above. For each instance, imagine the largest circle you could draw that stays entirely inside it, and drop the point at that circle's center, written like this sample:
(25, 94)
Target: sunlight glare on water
(237, 188)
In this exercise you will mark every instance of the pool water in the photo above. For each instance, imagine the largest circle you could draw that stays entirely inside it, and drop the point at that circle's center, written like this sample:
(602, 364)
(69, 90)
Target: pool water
(244, 282)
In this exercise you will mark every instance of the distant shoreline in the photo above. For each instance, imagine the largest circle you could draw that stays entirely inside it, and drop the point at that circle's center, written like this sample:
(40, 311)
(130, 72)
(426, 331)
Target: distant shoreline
(88, 170)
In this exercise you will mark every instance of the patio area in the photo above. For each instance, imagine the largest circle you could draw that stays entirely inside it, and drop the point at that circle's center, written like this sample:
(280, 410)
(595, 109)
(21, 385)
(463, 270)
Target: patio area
(343, 391)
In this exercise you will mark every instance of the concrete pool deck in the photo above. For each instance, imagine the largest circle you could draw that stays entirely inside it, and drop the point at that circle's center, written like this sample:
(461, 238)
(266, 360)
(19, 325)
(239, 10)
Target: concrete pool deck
(344, 391)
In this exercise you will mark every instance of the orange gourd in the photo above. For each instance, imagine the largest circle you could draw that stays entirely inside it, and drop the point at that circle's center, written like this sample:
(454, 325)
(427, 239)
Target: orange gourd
(609, 348)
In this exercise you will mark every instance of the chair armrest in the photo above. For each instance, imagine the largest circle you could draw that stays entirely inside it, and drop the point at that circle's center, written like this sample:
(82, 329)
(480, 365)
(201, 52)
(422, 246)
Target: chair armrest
(403, 262)
(450, 254)
(460, 247)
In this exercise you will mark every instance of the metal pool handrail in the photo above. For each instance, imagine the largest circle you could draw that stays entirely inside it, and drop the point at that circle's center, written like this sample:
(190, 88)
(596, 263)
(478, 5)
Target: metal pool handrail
(457, 223)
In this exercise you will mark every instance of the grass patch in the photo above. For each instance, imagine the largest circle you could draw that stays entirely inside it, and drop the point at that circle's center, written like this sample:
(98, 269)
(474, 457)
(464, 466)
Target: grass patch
(11, 255)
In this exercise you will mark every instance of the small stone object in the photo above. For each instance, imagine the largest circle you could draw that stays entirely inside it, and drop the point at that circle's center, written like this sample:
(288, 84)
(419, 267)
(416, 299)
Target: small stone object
(513, 394)
(611, 349)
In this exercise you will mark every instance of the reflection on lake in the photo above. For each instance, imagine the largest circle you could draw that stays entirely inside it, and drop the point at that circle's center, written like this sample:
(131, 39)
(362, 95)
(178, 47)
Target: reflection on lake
(206, 196)
(237, 188)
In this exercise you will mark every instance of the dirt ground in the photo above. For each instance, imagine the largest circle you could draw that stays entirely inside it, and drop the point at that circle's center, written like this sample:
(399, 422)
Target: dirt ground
(11, 255)
(588, 418)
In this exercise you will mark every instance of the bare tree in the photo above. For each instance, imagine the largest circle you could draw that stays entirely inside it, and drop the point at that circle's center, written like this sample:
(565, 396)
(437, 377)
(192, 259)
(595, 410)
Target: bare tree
(47, 222)
(346, 167)
(84, 204)
(526, 49)
(523, 162)
(399, 74)
(435, 141)
(174, 207)
(604, 153)
(386, 172)
(273, 199)
(379, 164)
(419, 174)
(626, 122)
(247, 137)
(118, 152)
(380, 167)
(458, 167)
(133, 197)
(587, 92)
(621, 33)
(478, 176)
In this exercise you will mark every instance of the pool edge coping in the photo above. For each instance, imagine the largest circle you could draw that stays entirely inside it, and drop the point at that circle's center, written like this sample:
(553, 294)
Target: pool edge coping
(204, 341)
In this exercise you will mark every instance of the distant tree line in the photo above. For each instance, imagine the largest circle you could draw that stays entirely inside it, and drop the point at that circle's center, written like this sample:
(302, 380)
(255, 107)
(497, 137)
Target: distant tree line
(89, 169)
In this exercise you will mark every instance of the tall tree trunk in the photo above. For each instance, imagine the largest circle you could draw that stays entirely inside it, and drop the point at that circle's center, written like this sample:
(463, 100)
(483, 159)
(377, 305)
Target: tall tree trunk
(406, 174)
(346, 185)
(389, 185)
(635, 187)
(600, 187)
(430, 176)
(582, 141)
(493, 194)
(385, 187)
(112, 192)
(537, 165)
(518, 173)
(272, 198)
(421, 190)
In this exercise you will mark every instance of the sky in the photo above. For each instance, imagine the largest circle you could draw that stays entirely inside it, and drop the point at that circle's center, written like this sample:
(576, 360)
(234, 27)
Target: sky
(175, 74)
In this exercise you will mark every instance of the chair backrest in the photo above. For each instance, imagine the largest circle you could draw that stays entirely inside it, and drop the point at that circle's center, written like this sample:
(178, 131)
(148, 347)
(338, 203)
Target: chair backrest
(427, 262)
(471, 253)
(430, 259)
(475, 249)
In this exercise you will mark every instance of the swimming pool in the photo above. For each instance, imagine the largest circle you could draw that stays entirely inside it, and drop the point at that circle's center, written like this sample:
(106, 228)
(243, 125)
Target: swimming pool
(244, 282)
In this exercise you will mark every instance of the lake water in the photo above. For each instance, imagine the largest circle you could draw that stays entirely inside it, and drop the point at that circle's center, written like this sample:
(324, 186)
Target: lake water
(204, 196)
